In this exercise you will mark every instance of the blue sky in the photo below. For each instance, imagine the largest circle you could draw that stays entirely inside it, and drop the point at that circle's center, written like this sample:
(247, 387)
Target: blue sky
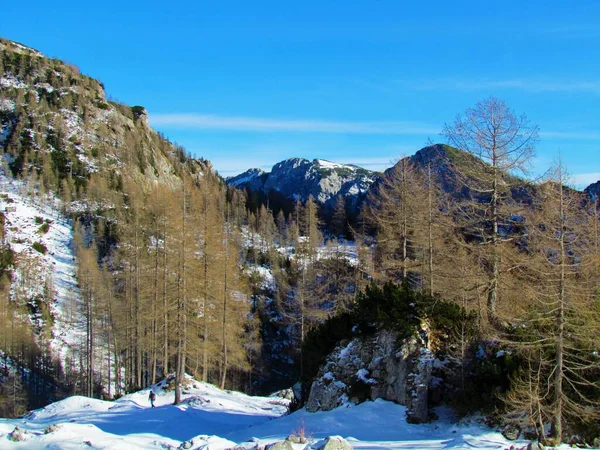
(247, 84)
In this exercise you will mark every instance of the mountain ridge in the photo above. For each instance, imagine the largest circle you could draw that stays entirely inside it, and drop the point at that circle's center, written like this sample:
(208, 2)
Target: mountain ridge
(295, 177)
(299, 178)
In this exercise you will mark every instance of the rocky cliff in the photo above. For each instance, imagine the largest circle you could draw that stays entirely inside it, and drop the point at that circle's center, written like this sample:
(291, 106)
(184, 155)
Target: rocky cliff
(375, 367)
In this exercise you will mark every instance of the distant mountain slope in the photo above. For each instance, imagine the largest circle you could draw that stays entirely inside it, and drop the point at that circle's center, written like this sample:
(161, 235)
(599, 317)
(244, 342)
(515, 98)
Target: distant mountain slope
(453, 171)
(55, 119)
(298, 178)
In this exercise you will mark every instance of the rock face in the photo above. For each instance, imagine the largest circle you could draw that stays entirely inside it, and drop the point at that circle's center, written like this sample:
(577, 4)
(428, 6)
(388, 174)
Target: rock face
(375, 367)
(298, 178)
(593, 191)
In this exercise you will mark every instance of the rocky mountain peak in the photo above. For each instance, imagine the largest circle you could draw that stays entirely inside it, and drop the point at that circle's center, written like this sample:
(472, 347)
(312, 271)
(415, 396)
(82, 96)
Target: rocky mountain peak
(299, 178)
(290, 164)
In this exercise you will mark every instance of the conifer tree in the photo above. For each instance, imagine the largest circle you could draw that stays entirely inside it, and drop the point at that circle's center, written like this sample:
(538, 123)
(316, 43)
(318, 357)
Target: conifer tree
(339, 220)
(557, 336)
(397, 212)
(492, 132)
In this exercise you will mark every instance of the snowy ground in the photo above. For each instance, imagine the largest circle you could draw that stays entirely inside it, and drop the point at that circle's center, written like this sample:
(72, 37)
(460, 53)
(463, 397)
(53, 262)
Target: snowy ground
(212, 419)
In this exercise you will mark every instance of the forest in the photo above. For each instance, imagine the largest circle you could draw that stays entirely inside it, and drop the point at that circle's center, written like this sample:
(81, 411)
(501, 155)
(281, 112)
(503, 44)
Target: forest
(177, 273)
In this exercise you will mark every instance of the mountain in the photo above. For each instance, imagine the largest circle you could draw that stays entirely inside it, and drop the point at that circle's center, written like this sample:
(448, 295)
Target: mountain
(454, 171)
(83, 179)
(251, 178)
(58, 122)
(298, 178)
(448, 163)
(593, 190)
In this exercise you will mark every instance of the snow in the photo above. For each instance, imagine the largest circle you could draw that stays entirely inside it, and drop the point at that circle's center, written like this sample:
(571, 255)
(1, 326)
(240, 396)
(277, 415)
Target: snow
(213, 419)
(46, 86)
(346, 350)
(363, 375)
(242, 180)
(8, 81)
(19, 48)
(73, 122)
(208, 418)
(331, 165)
(354, 190)
(7, 104)
(266, 276)
(25, 212)
(250, 175)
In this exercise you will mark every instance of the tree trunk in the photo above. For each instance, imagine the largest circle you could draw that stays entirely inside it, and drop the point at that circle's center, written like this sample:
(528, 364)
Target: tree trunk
(138, 313)
(556, 429)
(165, 304)
(495, 275)
(205, 297)
(430, 228)
(224, 322)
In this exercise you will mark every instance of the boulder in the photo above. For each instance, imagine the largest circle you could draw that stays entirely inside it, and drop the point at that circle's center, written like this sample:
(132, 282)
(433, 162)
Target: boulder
(333, 443)
(17, 435)
(511, 432)
(326, 394)
(281, 445)
(186, 445)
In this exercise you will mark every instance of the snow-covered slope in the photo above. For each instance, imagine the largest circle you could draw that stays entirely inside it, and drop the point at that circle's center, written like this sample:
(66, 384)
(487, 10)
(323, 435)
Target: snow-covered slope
(247, 178)
(212, 419)
(35, 221)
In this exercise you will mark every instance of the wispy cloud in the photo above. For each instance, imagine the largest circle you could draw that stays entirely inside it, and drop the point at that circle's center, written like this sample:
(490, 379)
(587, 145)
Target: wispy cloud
(522, 84)
(261, 124)
(584, 179)
(366, 162)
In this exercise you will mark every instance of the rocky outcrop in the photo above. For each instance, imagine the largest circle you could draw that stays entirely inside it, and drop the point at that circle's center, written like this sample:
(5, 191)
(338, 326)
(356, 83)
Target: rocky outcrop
(281, 445)
(375, 367)
(333, 443)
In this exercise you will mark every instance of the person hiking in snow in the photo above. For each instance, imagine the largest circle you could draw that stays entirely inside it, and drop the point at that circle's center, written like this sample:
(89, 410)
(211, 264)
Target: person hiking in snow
(152, 397)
